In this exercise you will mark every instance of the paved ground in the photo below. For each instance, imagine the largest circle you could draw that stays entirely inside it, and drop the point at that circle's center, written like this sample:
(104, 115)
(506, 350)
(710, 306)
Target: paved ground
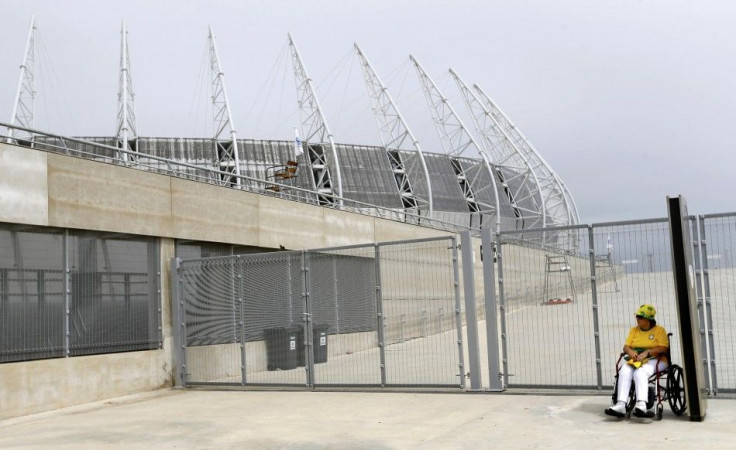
(198, 419)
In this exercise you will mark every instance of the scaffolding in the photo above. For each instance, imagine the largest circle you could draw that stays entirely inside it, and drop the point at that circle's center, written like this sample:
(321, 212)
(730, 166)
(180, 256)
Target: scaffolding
(556, 266)
(606, 262)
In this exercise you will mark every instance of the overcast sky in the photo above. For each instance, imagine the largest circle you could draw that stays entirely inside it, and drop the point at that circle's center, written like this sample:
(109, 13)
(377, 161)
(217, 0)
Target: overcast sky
(629, 101)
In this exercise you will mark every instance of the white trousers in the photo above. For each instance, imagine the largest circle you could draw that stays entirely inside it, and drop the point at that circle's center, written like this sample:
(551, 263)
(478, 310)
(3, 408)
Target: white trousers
(640, 377)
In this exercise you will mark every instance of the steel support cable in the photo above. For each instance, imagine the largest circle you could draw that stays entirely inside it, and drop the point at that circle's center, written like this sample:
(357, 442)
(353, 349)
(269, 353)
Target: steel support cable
(44, 59)
(42, 82)
(396, 71)
(341, 110)
(281, 123)
(283, 89)
(268, 95)
(196, 102)
(277, 130)
(334, 72)
(407, 69)
(332, 77)
(269, 78)
(411, 99)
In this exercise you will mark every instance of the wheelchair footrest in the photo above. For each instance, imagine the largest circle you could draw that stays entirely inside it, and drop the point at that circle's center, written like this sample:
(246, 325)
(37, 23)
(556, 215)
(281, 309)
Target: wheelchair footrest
(644, 415)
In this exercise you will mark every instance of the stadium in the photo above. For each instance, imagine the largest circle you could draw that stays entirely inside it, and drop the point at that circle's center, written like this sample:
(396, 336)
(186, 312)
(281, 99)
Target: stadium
(499, 178)
(134, 263)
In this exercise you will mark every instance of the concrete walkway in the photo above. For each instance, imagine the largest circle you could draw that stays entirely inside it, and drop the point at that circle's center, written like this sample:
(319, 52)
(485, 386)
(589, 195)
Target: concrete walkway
(198, 419)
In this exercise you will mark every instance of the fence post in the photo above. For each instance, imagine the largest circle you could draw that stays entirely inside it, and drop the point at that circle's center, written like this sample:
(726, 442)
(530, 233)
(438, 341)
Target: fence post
(335, 291)
(379, 313)
(241, 295)
(458, 319)
(491, 309)
(700, 255)
(177, 329)
(594, 294)
(502, 310)
(307, 321)
(67, 295)
(289, 293)
(471, 321)
(153, 256)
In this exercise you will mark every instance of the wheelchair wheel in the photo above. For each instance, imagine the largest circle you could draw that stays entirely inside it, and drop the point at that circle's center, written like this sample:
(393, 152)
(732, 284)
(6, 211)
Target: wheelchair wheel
(660, 411)
(676, 390)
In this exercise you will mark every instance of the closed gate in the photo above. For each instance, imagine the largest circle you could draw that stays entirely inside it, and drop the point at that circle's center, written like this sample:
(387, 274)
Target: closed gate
(567, 298)
(373, 315)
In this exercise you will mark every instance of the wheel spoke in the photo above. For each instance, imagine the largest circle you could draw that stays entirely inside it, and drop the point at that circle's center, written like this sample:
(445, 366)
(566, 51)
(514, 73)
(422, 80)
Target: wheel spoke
(676, 391)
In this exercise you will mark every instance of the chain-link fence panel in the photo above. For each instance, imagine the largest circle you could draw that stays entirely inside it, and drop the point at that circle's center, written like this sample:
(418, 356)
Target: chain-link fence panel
(274, 318)
(547, 314)
(420, 313)
(212, 326)
(633, 266)
(719, 287)
(244, 319)
(570, 294)
(342, 297)
(374, 315)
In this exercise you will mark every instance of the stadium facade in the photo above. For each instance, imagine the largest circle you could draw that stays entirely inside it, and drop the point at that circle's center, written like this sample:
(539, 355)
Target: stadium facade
(493, 178)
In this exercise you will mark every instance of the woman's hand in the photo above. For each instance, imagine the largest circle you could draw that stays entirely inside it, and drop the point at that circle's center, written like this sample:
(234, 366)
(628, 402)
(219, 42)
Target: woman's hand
(642, 356)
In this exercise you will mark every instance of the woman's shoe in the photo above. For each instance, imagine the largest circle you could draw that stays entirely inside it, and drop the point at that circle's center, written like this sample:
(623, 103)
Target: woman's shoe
(617, 410)
(640, 410)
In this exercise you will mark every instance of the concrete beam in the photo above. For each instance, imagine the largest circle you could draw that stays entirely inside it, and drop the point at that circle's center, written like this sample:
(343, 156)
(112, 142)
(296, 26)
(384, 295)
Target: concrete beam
(23, 186)
(94, 196)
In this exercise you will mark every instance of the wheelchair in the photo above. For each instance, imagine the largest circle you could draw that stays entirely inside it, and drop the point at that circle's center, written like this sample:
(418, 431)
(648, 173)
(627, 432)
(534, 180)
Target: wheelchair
(664, 385)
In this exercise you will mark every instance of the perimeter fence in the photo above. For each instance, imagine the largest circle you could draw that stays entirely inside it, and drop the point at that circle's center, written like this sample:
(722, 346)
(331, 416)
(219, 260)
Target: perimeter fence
(567, 297)
(383, 314)
(391, 314)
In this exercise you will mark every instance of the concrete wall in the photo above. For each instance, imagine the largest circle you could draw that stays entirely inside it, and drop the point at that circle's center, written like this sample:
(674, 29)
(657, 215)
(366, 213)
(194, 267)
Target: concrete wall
(54, 190)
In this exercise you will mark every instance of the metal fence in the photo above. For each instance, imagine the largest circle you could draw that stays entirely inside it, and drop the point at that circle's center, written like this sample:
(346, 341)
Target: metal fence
(374, 315)
(715, 248)
(568, 294)
(73, 292)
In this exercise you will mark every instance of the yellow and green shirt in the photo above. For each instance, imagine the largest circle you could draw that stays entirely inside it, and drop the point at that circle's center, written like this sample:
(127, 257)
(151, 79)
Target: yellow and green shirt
(641, 340)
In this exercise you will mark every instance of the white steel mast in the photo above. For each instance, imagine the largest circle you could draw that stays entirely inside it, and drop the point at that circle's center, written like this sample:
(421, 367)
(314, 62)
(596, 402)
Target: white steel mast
(316, 132)
(126, 130)
(559, 203)
(394, 133)
(225, 138)
(505, 154)
(26, 94)
(456, 140)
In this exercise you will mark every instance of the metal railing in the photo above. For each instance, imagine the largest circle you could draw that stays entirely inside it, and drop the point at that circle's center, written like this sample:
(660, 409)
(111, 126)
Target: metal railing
(54, 143)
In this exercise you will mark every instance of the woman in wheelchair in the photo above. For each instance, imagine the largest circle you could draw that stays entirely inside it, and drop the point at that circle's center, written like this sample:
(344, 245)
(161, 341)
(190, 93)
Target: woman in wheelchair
(646, 350)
